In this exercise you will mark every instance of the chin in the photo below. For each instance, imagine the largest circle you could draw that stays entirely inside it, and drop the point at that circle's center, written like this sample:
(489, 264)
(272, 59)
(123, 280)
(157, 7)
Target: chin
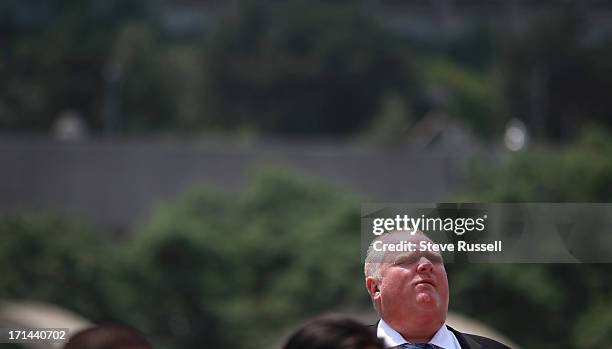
(428, 300)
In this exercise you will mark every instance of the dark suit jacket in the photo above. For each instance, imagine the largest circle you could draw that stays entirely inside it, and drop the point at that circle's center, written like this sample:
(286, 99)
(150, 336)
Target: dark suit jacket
(469, 341)
(472, 341)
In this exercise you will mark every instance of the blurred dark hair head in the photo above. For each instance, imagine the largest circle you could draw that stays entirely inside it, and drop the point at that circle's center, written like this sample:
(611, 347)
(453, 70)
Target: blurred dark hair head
(334, 332)
(108, 336)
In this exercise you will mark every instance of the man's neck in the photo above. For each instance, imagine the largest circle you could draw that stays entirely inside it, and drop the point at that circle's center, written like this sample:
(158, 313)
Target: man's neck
(420, 331)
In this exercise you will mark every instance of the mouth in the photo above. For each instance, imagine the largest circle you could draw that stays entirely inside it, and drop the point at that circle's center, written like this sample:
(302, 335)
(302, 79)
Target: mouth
(427, 282)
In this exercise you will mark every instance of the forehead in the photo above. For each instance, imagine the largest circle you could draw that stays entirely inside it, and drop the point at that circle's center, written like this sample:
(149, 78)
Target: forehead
(398, 246)
(404, 236)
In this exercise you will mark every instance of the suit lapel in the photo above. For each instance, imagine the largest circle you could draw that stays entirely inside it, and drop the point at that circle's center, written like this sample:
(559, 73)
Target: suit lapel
(464, 341)
(373, 328)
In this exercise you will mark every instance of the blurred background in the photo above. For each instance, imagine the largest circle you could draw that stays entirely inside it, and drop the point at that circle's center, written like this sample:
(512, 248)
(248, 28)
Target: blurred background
(195, 169)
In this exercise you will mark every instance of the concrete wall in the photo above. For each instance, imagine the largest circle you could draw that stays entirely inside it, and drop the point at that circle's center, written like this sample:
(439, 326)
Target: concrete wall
(116, 184)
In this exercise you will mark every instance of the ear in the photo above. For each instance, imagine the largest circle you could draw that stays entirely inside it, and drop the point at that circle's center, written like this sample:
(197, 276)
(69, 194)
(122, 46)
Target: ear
(373, 286)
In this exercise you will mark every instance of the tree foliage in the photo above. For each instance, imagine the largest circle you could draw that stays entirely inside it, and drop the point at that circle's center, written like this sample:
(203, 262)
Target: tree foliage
(557, 74)
(46, 258)
(231, 271)
(303, 67)
(309, 68)
(58, 63)
(300, 67)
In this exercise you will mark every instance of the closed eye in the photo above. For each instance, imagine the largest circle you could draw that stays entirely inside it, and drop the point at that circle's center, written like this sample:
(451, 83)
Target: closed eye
(433, 257)
(407, 259)
(412, 258)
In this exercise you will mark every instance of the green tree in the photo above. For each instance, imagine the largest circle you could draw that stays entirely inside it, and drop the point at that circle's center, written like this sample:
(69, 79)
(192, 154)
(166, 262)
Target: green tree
(555, 75)
(302, 67)
(158, 81)
(232, 271)
(468, 95)
(45, 258)
(59, 63)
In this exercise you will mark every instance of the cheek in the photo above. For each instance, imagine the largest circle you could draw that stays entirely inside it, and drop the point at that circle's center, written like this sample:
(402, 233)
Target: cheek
(443, 283)
(396, 281)
(444, 289)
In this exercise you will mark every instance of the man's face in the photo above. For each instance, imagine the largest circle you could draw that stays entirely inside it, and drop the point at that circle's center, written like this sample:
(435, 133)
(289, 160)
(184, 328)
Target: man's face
(413, 283)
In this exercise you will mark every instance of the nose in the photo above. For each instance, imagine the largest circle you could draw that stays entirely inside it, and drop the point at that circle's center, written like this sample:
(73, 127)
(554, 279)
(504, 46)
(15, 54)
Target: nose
(424, 265)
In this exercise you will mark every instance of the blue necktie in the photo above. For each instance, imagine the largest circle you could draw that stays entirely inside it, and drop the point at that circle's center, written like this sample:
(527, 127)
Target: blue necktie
(418, 346)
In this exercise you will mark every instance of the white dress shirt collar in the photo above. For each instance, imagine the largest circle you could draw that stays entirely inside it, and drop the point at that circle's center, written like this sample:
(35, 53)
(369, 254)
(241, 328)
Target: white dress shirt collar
(443, 338)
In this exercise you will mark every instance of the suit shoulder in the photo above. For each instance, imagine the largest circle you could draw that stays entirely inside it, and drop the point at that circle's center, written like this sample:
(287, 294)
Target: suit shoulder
(487, 343)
